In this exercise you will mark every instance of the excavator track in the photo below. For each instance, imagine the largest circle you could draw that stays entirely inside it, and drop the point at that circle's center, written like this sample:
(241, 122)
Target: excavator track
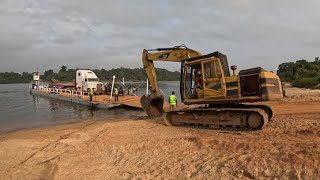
(265, 108)
(240, 119)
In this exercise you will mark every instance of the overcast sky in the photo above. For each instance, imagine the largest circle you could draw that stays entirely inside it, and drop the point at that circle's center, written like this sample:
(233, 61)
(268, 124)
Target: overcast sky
(109, 34)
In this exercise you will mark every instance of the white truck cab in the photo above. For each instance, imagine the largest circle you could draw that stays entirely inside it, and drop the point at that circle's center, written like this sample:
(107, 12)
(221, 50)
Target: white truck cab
(87, 79)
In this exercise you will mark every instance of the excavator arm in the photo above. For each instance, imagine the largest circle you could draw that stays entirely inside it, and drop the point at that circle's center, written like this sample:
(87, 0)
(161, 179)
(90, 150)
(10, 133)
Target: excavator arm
(153, 103)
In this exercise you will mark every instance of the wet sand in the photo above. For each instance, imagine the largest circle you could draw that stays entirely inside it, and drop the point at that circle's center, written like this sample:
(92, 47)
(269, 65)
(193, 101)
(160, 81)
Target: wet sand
(141, 148)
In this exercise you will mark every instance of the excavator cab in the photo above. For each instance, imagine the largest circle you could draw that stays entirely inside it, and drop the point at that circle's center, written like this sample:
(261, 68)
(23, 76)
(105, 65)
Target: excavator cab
(212, 84)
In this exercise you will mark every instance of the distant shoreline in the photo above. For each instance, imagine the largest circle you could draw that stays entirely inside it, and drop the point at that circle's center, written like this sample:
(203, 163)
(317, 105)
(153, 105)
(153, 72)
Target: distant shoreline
(128, 81)
(67, 75)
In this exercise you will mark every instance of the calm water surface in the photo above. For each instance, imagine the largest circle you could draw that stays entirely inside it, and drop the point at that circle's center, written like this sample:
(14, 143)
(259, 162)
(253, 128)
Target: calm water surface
(21, 110)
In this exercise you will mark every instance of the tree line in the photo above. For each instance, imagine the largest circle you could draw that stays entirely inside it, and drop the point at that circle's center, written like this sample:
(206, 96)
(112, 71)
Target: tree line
(12, 77)
(67, 75)
(302, 73)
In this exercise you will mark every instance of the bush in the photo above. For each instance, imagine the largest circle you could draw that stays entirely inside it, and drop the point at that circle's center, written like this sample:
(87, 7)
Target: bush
(307, 82)
(301, 73)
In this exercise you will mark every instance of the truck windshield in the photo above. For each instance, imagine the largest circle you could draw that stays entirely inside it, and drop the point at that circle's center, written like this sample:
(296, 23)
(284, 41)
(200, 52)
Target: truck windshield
(93, 79)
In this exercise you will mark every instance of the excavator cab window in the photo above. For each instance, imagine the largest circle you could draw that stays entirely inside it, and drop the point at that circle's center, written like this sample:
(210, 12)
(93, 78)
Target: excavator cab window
(188, 82)
(212, 74)
(192, 82)
(213, 79)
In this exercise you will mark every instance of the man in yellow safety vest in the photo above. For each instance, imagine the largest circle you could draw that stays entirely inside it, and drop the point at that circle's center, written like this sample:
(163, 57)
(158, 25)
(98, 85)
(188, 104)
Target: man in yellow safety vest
(91, 93)
(116, 91)
(173, 101)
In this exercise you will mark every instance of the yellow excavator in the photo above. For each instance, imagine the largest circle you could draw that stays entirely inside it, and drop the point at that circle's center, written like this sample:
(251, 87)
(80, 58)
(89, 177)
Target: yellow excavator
(205, 80)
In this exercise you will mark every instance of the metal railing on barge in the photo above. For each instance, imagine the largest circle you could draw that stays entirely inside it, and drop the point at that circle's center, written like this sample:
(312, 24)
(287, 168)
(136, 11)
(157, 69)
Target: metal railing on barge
(61, 91)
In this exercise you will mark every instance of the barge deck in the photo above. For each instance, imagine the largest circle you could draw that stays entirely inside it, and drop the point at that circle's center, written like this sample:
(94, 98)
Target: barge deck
(98, 101)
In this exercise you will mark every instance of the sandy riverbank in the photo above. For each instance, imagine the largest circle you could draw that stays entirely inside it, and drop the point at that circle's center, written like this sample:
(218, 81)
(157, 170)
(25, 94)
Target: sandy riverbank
(140, 148)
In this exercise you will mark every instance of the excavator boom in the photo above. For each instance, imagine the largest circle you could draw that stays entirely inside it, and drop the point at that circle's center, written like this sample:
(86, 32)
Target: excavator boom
(153, 103)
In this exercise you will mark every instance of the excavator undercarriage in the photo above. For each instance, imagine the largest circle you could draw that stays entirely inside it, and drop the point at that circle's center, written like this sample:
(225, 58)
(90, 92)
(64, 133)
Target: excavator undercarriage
(239, 117)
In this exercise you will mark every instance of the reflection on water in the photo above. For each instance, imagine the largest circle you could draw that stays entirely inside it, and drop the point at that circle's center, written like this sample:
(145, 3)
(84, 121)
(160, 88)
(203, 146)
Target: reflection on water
(20, 110)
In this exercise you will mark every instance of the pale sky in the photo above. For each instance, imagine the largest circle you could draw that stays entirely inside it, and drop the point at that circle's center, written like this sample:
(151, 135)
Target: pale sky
(110, 34)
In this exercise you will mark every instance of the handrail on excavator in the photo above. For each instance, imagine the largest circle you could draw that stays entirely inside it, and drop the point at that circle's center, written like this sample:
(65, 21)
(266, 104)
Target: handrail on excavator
(167, 49)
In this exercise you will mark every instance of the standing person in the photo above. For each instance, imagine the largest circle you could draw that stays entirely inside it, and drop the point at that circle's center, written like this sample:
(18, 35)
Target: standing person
(91, 93)
(79, 92)
(134, 90)
(129, 89)
(82, 89)
(116, 91)
(173, 101)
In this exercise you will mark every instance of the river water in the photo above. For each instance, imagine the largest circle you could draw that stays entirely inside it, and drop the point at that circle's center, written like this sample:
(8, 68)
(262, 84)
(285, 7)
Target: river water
(21, 110)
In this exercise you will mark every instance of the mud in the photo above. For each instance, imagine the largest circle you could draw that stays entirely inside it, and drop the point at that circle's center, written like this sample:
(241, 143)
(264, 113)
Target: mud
(287, 148)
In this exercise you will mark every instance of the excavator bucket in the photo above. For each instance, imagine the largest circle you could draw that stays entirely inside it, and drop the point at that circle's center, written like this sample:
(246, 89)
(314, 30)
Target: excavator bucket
(152, 106)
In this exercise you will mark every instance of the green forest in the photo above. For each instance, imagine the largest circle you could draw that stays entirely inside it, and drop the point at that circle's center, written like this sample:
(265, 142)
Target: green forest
(12, 77)
(302, 73)
(67, 75)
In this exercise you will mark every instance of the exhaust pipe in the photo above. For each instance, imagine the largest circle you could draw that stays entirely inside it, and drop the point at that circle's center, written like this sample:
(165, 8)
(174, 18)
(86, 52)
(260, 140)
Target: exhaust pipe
(234, 68)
